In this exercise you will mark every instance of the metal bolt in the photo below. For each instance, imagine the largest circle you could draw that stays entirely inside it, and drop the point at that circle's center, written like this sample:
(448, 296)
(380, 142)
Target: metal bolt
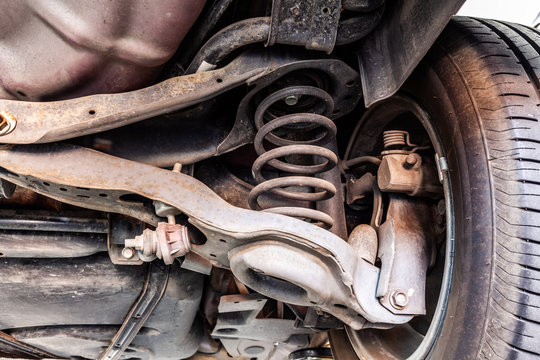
(295, 11)
(177, 167)
(411, 160)
(441, 207)
(128, 252)
(292, 100)
(171, 219)
(399, 300)
(165, 210)
(7, 122)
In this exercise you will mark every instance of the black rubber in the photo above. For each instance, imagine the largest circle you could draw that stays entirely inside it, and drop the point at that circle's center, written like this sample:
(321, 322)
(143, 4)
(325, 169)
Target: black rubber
(480, 84)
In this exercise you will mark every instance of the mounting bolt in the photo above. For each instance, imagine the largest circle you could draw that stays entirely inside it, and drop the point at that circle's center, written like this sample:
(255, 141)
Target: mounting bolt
(411, 160)
(165, 210)
(399, 300)
(441, 207)
(295, 11)
(292, 100)
(128, 252)
(7, 122)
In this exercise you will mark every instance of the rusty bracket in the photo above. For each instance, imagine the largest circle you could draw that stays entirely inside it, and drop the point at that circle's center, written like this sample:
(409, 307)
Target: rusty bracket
(43, 122)
(312, 24)
(409, 173)
(305, 264)
(405, 250)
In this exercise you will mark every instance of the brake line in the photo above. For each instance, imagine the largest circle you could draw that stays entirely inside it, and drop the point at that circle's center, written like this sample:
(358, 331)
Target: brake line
(153, 290)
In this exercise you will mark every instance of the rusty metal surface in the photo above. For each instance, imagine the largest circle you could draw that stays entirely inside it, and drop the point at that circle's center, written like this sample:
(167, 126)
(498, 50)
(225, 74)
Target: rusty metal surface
(79, 171)
(67, 48)
(312, 144)
(215, 127)
(39, 122)
(409, 173)
(343, 84)
(405, 252)
(312, 24)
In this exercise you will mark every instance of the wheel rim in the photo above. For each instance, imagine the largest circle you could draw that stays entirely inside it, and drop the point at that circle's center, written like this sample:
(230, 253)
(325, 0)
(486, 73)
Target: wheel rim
(404, 341)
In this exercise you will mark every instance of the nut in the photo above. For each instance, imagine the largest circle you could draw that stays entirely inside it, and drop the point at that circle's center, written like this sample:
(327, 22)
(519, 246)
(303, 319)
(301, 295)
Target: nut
(128, 252)
(399, 300)
(292, 100)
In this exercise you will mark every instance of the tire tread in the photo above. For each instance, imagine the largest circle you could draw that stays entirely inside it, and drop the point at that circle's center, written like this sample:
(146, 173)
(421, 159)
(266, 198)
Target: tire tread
(500, 63)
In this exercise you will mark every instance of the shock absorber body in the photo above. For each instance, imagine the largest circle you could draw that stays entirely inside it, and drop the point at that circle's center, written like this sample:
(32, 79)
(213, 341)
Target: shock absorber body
(302, 146)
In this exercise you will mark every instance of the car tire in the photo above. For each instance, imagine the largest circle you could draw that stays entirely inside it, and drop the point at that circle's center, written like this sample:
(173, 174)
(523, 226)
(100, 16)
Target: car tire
(480, 85)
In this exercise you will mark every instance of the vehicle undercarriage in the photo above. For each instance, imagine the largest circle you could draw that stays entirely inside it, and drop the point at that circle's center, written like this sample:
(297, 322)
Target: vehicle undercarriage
(268, 180)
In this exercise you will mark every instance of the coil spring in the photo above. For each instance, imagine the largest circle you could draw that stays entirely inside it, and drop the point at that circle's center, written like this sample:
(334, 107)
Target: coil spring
(393, 138)
(299, 175)
(400, 139)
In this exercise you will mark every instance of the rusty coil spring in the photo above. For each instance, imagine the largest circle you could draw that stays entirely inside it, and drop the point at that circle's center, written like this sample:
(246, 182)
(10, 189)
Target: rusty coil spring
(297, 175)
(393, 138)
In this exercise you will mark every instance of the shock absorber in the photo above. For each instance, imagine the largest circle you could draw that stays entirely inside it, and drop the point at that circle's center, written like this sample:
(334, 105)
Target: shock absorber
(293, 137)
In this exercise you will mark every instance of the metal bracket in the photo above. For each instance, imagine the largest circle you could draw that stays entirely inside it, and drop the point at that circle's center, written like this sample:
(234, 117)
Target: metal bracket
(442, 166)
(408, 173)
(405, 253)
(334, 279)
(154, 287)
(244, 335)
(121, 228)
(312, 23)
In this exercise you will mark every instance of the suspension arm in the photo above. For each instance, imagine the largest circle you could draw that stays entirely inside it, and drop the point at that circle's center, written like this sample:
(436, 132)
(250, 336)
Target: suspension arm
(24, 122)
(300, 263)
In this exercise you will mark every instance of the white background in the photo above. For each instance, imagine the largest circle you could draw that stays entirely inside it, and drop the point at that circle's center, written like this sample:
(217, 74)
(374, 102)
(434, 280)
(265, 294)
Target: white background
(519, 11)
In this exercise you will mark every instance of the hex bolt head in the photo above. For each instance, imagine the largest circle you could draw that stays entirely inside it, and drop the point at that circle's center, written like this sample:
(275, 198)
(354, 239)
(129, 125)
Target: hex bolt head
(292, 100)
(399, 300)
(128, 252)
